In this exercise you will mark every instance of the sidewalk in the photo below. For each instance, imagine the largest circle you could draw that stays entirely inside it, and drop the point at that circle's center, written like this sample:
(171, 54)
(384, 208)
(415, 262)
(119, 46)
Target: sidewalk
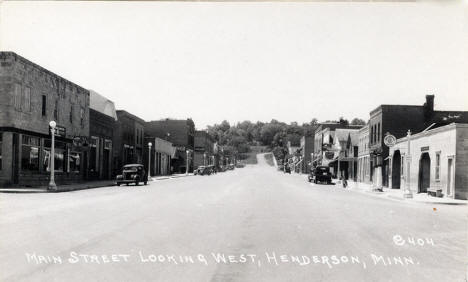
(394, 194)
(397, 194)
(79, 186)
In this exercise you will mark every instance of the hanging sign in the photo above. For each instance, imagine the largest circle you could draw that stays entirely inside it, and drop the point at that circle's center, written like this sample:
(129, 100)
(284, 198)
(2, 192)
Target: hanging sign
(389, 140)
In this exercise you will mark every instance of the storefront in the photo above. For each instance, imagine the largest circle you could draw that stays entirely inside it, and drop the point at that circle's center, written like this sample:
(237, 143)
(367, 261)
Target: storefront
(161, 154)
(28, 156)
(31, 98)
(438, 162)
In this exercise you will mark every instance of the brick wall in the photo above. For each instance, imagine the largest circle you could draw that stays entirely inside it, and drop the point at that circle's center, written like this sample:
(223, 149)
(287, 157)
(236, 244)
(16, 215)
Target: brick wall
(17, 75)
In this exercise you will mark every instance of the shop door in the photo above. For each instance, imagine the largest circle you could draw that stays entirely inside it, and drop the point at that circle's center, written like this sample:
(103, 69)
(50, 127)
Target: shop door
(105, 164)
(449, 176)
(396, 170)
(424, 173)
(15, 159)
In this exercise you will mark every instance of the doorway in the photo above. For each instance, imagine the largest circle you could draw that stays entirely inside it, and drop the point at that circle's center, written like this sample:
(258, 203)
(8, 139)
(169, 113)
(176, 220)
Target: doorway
(396, 170)
(424, 173)
(449, 177)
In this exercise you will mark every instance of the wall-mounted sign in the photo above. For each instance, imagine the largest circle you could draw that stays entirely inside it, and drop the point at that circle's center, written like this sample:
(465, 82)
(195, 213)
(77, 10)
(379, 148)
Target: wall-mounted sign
(389, 140)
(59, 131)
(425, 148)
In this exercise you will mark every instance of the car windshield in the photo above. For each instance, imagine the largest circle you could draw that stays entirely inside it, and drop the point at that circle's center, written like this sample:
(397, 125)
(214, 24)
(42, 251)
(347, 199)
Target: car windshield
(132, 168)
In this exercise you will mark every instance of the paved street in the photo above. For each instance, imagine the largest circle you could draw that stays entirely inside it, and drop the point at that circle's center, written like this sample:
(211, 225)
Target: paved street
(269, 226)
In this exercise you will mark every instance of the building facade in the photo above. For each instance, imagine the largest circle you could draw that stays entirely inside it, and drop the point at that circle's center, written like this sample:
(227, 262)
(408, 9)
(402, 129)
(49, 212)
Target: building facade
(181, 133)
(345, 148)
(203, 149)
(102, 119)
(438, 161)
(161, 154)
(307, 150)
(31, 97)
(397, 120)
(128, 140)
(324, 139)
(364, 171)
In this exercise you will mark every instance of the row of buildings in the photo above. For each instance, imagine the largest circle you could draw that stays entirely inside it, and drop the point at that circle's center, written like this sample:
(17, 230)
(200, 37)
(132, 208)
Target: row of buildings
(378, 152)
(93, 140)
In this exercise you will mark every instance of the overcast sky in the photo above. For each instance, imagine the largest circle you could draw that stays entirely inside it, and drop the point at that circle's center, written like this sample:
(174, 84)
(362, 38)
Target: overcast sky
(249, 61)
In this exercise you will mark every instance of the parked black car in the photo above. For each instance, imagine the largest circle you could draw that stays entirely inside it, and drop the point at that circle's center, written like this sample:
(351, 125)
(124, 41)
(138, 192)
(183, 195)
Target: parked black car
(320, 174)
(203, 170)
(132, 173)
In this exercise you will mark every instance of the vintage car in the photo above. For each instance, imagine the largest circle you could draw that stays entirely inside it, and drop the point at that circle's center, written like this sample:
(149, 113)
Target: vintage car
(231, 166)
(320, 174)
(203, 170)
(132, 173)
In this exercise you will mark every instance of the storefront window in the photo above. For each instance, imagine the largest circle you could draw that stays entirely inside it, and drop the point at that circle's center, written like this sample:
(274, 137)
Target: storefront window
(30, 153)
(1, 142)
(59, 158)
(75, 162)
(93, 158)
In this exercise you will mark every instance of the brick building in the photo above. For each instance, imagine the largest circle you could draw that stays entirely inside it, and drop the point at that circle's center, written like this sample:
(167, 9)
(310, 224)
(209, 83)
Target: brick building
(181, 133)
(128, 140)
(102, 119)
(203, 150)
(438, 161)
(31, 97)
(397, 120)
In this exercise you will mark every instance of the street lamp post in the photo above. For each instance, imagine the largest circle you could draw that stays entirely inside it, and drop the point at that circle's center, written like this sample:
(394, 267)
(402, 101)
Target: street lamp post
(204, 158)
(408, 194)
(52, 185)
(187, 169)
(149, 160)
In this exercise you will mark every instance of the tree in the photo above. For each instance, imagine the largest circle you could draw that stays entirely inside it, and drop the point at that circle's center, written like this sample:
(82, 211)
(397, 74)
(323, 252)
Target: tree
(358, 121)
(343, 121)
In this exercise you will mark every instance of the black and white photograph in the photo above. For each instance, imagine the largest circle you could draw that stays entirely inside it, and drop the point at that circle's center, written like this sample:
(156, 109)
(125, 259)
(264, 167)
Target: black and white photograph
(232, 141)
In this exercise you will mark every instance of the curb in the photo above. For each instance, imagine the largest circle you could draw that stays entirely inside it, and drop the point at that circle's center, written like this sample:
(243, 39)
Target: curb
(66, 189)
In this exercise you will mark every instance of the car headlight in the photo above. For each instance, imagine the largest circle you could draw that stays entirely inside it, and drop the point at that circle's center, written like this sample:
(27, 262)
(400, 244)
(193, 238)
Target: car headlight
(119, 177)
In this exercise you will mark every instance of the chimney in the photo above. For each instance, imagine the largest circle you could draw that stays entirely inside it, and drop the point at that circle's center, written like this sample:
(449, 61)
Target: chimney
(429, 106)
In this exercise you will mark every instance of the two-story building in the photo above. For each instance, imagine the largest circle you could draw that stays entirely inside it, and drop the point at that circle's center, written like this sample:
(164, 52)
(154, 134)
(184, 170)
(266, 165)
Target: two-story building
(397, 120)
(345, 148)
(204, 149)
(102, 119)
(129, 135)
(364, 172)
(307, 151)
(181, 133)
(31, 97)
(323, 141)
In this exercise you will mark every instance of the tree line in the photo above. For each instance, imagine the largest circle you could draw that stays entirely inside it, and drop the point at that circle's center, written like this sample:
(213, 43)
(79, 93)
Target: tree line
(275, 135)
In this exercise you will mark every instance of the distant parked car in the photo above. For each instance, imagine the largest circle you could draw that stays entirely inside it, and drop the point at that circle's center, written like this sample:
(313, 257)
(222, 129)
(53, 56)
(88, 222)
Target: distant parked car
(203, 170)
(231, 166)
(132, 173)
(320, 174)
(240, 165)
